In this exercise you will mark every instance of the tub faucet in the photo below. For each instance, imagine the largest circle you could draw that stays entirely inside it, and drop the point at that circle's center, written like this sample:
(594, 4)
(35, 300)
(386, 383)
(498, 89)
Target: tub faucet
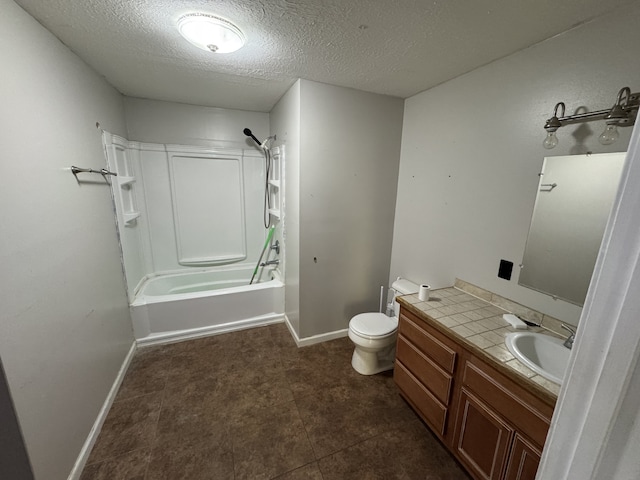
(270, 262)
(569, 341)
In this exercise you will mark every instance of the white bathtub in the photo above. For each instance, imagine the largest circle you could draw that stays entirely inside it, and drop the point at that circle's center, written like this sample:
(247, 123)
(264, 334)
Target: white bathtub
(188, 305)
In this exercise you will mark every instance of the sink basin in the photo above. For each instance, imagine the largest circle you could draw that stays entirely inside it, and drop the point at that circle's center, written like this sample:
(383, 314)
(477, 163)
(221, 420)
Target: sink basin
(543, 354)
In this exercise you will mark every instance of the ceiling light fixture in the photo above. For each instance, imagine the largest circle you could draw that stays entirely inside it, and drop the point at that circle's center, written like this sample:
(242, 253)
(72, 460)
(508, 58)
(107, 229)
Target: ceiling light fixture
(622, 114)
(211, 33)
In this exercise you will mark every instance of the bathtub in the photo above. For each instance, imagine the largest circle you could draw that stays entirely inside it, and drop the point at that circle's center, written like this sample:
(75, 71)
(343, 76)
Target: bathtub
(189, 305)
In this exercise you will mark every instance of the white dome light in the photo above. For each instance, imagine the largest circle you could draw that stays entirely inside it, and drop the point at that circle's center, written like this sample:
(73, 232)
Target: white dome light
(211, 33)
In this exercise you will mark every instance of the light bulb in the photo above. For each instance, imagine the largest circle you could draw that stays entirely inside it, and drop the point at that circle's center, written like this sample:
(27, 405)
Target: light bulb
(551, 141)
(610, 135)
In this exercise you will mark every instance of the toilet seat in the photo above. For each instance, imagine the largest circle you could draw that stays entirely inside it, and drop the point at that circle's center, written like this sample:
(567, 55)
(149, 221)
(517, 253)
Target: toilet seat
(373, 325)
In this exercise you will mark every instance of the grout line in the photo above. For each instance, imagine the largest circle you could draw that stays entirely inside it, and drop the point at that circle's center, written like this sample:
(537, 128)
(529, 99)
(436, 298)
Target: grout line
(306, 431)
(113, 457)
(295, 469)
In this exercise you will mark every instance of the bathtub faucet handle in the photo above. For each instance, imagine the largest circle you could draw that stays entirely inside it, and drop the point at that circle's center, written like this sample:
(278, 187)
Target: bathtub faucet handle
(276, 247)
(270, 262)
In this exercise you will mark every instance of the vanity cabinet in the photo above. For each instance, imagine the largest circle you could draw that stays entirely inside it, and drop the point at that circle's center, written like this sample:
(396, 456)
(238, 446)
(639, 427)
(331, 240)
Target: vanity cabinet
(494, 426)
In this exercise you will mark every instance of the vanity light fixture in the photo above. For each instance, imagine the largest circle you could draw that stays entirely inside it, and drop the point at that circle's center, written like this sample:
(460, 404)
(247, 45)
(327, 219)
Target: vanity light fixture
(622, 114)
(211, 33)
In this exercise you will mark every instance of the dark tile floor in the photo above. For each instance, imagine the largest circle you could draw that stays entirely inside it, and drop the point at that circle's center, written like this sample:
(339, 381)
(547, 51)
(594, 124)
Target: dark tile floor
(251, 405)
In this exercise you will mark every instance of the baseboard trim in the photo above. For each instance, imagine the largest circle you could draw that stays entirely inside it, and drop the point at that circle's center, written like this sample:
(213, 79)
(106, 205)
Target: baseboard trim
(76, 471)
(180, 335)
(323, 337)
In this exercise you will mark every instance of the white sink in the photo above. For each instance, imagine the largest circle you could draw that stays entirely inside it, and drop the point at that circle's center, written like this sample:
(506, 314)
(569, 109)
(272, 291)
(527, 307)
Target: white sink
(543, 354)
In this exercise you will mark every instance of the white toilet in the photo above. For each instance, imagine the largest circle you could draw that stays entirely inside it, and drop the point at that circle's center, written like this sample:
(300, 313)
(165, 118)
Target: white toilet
(374, 334)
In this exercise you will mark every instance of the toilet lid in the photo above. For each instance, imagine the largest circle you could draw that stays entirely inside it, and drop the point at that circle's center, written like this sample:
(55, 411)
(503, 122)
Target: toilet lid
(373, 324)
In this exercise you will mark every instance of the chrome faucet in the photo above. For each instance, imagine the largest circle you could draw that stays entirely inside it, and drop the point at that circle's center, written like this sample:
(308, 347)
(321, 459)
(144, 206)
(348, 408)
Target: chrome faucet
(270, 262)
(569, 341)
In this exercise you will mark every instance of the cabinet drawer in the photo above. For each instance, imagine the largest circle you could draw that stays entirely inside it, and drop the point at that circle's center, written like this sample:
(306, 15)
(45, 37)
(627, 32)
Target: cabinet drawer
(427, 343)
(434, 413)
(483, 381)
(424, 369)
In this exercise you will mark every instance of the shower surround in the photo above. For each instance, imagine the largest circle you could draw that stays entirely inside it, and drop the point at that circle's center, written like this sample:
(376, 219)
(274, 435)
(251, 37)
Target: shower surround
(190, 225)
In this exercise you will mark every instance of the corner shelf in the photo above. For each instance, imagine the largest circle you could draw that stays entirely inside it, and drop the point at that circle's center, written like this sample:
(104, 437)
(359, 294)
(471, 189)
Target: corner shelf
(274, 195)
(126, 181)
(130, 218)
(274, 212)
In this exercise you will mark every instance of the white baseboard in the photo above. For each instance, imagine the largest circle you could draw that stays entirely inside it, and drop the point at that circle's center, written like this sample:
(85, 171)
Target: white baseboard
(323, 337)
(76, 471)
(180, 335)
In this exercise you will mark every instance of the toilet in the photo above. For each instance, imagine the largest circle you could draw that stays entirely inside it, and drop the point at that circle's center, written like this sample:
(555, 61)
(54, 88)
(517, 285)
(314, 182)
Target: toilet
(374, 334)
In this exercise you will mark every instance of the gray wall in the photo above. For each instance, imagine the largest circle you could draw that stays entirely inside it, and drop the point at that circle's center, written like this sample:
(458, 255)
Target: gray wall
(472, 149)
(65, 326)
(349, 154)
(284, 120)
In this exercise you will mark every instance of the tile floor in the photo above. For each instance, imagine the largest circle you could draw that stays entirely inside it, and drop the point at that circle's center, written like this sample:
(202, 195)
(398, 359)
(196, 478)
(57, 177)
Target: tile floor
(251, 405)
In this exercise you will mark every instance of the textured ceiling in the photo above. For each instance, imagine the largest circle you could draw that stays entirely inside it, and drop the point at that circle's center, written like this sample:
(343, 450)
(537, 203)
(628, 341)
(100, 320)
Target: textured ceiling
(396, 48)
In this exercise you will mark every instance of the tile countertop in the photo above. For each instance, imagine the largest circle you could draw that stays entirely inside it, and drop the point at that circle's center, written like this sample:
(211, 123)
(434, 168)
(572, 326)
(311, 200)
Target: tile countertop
(479, 326)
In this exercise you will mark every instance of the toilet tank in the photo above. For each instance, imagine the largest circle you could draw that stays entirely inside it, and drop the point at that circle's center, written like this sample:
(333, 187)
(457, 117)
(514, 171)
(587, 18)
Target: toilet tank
(401, 286)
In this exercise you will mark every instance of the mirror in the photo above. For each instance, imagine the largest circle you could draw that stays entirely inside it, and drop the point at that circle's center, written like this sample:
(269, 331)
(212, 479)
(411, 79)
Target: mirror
(575, 195)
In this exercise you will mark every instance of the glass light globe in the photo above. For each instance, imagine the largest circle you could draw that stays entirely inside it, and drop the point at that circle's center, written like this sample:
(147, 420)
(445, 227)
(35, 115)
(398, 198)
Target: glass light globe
(211, 33)
(610, 135)
(551, 141)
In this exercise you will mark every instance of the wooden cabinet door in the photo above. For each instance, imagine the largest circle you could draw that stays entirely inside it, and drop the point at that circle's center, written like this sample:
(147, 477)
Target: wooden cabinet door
(523, 461)
(482, 439)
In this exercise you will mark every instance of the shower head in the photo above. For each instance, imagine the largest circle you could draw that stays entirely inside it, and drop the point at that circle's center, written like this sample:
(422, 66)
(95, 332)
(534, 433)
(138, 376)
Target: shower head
(248, 133)
(262, 145)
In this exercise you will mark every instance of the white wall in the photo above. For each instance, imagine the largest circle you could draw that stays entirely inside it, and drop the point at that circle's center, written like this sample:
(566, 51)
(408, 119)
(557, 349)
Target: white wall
(65, 326)
(349, 155)
(285, 124)
(472, 149)
(156, 121)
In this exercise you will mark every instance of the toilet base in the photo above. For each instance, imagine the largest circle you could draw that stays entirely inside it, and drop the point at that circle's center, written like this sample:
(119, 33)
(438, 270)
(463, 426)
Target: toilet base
(367, 362)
